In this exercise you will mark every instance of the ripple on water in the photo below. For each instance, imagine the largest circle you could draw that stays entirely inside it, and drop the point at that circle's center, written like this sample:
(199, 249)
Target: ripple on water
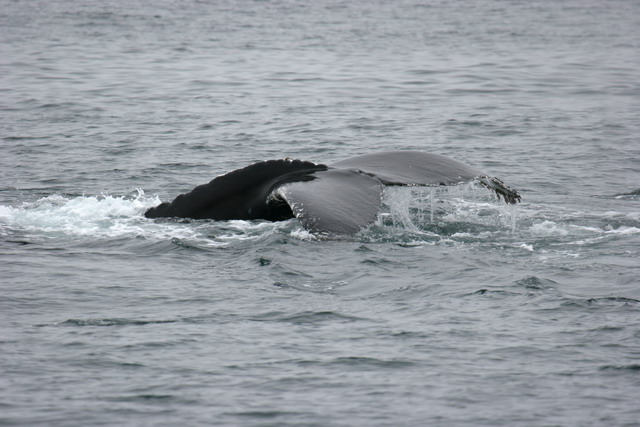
(110, 322)
(307, 317)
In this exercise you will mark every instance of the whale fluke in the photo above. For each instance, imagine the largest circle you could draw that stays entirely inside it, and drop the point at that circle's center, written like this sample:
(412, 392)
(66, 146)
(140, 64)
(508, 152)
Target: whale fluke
(412, 168)
(240, 194)
(417, 168)
(339, 199)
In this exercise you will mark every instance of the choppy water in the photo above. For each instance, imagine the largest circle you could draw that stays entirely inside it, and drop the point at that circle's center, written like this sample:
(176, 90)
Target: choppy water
(453, 310)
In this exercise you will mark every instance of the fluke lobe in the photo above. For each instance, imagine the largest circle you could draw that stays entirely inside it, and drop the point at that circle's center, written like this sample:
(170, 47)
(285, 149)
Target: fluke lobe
(338, 199)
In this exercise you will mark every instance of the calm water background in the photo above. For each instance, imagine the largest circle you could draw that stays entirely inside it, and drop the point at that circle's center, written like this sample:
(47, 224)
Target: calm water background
(453, 310)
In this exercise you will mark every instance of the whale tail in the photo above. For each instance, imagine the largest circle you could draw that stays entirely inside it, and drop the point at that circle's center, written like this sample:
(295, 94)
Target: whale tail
(240, 194)
(328, 200)
(508, 194)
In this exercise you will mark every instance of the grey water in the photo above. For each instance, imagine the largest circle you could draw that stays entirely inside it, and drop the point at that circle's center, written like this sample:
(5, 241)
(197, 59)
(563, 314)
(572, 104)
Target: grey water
(453, 309)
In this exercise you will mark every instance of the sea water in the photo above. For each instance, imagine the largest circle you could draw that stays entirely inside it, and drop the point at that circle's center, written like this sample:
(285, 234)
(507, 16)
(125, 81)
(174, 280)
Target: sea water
(452, 309)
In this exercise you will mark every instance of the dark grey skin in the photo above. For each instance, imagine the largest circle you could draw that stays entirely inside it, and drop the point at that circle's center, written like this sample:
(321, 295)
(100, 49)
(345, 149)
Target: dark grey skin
(331, 200)
(241, 194)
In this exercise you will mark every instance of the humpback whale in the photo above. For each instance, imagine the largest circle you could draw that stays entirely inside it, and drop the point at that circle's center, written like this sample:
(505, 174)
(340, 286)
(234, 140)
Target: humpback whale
(329, 200)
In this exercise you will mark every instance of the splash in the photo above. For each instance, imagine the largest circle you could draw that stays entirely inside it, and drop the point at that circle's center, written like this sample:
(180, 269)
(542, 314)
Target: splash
(444, 209)
(108, 217)
(464, 214)
(58, 215)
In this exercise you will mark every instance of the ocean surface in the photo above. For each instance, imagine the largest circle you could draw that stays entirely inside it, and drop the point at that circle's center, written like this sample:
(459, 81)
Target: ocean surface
(455, 309)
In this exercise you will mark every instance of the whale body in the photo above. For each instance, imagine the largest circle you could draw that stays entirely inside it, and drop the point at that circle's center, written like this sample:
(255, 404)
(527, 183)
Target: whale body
(331, 200)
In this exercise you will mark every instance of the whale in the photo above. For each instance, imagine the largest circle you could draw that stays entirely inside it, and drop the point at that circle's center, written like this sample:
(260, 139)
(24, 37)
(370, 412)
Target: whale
(329, 200)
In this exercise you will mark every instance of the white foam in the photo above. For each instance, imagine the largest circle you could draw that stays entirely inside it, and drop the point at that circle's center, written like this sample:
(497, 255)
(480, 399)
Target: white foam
(624, 230)
(102, 216)
(526, 247)
(112, 217)
(302, 234)
(548, 228)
